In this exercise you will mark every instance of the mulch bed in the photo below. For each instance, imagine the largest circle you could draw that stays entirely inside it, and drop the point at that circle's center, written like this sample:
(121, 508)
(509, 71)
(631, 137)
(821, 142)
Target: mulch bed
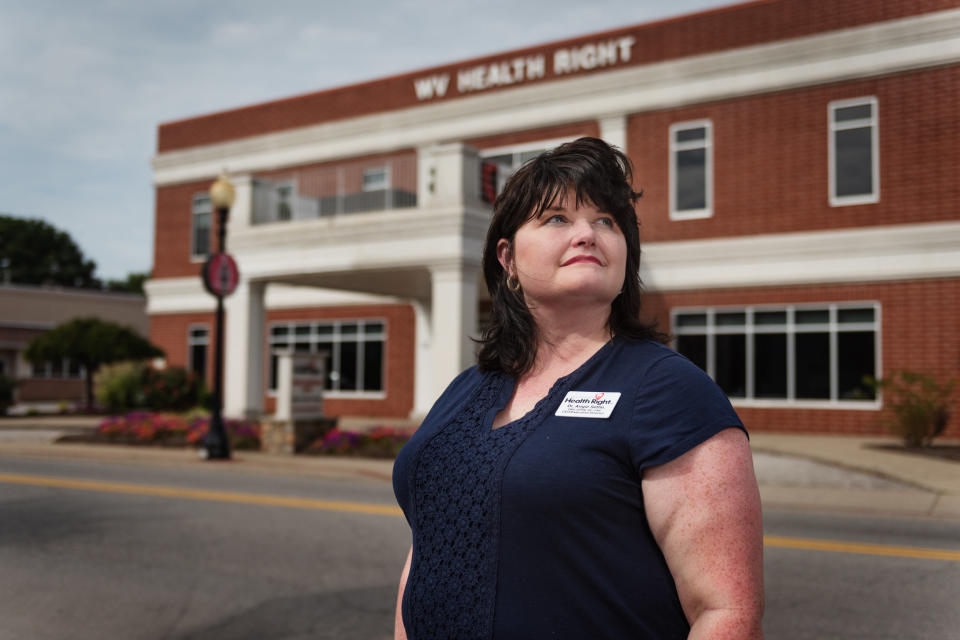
(948, 452)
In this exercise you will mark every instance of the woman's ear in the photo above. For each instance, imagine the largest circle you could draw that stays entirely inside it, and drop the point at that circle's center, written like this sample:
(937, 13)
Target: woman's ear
(505, 255)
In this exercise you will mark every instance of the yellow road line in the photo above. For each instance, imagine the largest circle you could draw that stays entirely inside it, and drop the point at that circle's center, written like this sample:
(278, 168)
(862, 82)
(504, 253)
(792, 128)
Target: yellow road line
(199, 494)
(376, 509)
(860, 548)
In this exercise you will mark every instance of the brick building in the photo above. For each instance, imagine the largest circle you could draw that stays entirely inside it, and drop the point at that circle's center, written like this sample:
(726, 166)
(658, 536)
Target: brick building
(27, 312)
(799, 223)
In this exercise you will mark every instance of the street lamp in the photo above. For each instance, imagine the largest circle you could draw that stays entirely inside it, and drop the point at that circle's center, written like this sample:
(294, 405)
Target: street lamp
(220, 275)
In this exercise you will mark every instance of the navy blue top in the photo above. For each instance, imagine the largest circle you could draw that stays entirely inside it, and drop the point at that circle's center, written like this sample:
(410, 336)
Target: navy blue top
(537, 529)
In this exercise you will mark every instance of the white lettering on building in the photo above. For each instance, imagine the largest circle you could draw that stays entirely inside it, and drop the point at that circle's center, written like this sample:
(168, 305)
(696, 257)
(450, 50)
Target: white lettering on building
(500, 74)
(503, 73)
(593, 55)
(431, 86)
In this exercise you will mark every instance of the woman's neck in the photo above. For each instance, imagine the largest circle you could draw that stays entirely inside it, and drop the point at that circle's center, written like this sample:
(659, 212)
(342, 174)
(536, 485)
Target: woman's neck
(568, 338)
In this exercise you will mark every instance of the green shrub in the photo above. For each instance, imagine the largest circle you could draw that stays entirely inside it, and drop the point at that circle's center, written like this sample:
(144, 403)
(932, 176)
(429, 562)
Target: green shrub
(920, 406)
(134, 385)
(118, 387)
(171, 389)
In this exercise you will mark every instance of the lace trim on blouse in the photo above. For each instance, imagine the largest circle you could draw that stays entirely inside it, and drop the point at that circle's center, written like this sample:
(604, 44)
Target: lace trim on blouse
(451, 590)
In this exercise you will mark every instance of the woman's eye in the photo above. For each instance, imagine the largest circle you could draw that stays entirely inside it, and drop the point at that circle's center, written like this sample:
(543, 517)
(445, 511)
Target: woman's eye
(608, 222)
(557, 218)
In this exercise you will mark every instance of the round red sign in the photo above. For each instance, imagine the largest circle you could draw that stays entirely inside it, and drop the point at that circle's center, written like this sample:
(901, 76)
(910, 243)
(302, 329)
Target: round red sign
(220, 275)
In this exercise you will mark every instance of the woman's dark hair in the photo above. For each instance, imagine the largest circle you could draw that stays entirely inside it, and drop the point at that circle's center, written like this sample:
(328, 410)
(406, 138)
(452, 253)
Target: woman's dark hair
(597, 173)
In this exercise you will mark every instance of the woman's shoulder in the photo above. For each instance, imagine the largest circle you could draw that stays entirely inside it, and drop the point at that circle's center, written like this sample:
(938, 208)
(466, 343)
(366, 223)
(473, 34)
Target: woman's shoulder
(649, 360)
(640, 358)
(676, 406)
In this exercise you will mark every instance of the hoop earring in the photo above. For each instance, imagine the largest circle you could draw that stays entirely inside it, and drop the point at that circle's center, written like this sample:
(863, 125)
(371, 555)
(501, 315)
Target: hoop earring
(513, 283)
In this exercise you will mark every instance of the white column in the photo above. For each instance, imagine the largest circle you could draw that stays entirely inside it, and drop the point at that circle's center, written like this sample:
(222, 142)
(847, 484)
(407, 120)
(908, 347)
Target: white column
(423, 391)
(447, 175)
(454, 320)
(613, 130)
(241, 213)
(244, 345)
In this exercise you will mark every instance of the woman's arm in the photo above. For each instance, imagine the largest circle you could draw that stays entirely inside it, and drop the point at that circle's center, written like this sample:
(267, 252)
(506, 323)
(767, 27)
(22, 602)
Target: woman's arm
(399, 633)
(704, 511)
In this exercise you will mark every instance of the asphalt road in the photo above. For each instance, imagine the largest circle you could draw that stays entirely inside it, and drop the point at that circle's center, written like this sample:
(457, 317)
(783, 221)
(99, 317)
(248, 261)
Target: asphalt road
(218, 552)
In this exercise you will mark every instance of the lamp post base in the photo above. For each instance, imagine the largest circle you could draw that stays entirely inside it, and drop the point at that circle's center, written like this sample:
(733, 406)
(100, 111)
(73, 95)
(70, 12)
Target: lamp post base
(216, 445)
(218, 452)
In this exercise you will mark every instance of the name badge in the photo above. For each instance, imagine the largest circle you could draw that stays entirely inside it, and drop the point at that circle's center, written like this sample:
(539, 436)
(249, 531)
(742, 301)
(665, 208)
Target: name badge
(588, 404)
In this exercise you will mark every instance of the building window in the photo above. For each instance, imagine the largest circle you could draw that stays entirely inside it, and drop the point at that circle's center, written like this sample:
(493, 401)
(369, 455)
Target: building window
(198, 346)
(691, 170)
(853, 150)
(802, 354)
(57, 369)
(508, 159)
(354, 352)
(202, 225)
(376, 179)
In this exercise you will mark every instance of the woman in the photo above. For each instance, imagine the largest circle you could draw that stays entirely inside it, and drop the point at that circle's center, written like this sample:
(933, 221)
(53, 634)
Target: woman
(583, 481)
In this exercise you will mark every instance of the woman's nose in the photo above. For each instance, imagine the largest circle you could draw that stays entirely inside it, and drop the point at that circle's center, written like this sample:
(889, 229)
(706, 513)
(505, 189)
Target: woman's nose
(584, 234)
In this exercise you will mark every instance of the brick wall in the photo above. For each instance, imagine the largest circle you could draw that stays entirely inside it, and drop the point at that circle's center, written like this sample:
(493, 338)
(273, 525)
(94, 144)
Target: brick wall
(49, 390)
(771, 159)
(170, 332)
(570, 130)
(19, 335)
(352, 176)
(720, 29)
(918, 333)
(173, 225)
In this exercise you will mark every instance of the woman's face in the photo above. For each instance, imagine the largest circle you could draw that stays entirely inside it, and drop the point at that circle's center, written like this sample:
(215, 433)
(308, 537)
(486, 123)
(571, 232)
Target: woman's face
(569, 254)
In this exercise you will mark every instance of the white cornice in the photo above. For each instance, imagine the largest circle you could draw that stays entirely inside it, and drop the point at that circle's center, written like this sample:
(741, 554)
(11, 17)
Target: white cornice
(869, 254)
(177, 295)
(187, 295)
(888, 47)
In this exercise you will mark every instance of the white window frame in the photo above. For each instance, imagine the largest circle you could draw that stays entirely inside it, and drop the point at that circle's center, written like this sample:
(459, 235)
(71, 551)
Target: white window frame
(194, 256)
(383, 185)
(750, 329)
(47, 372)
(832, 128)
(196, 341)
(674, 148)
(336, 337)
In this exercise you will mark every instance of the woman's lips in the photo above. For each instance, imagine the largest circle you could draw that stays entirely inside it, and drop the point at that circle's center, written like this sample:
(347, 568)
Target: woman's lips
(576, 259)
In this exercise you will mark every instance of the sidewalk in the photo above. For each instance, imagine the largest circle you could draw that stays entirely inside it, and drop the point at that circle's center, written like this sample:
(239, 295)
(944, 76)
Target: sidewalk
(848, 473)
(794, 471)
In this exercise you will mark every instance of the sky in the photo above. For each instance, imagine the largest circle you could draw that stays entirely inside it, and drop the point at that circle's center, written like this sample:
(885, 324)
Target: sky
(83, 85)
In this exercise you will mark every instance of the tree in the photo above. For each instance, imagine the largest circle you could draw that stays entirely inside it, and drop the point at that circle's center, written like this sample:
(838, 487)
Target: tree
(34, 252)
(133, 283)
(90, 342)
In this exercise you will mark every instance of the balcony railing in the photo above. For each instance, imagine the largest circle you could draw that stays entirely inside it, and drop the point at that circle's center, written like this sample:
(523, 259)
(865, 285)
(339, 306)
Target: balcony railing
(368, 185)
